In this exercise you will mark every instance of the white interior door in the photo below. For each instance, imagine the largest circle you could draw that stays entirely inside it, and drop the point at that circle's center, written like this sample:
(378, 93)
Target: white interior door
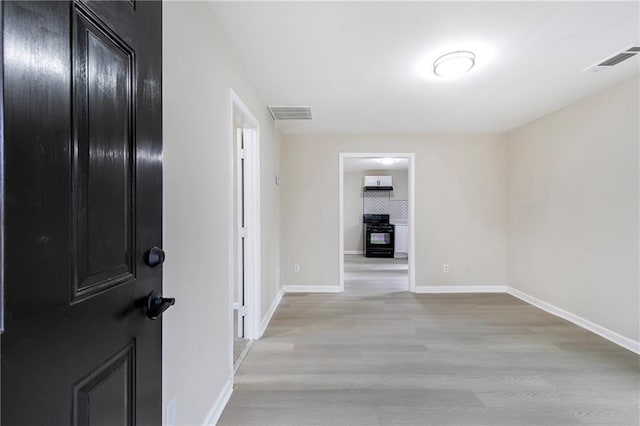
(241, 234)
(245, 221)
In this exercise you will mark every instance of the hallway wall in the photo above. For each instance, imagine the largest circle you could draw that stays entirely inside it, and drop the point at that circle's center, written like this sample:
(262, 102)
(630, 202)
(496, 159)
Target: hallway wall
(200, 67)
(460, 206)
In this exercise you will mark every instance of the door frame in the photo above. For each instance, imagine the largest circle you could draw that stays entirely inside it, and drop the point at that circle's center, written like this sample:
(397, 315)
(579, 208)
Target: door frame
(237, 108)
(412, 205)
(1, 171)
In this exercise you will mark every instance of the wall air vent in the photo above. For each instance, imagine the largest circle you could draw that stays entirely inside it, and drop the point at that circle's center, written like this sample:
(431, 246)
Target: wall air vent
(281, 112)
(615, 59)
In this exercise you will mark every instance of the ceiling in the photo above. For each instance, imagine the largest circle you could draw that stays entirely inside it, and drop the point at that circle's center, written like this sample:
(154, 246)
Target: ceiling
(355, 63)
(362, 164)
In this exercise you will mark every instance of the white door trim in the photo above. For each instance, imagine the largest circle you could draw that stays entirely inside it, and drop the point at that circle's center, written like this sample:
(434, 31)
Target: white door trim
(412, 204)
(251, 130)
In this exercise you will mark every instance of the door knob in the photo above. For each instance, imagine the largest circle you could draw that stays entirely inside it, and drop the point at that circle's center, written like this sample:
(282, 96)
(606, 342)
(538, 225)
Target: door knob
(156, 304)
(155, 257)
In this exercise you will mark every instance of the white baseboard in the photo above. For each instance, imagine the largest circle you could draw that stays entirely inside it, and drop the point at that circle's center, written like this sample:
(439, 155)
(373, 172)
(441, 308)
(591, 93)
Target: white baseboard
(353, 252)
(242, 356)
(461, 289)
(625, 342)
(223, 398)
(618, 339)
(311, 289)
(272, 309)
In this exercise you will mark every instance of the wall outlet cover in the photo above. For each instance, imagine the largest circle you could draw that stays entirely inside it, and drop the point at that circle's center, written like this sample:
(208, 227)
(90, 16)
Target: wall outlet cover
(171, 413)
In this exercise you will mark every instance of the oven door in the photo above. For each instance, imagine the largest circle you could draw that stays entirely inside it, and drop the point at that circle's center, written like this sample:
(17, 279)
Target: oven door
(379, 238)
(379, 241)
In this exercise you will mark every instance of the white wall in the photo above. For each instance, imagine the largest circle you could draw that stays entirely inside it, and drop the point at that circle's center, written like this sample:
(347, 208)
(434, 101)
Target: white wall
(400, 184)
(460, 205)
(353, 208)
(200, 67)
(573, 209)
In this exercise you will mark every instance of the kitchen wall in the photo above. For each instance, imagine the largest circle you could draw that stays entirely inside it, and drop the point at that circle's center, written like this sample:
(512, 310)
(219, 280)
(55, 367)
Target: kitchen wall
(200, 67)
(460, 205)
(573, 209)
(353, 201)
(353, 211)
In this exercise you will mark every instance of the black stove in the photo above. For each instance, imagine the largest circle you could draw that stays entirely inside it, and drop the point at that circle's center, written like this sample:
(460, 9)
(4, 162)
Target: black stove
(375, 218)
(379, 235)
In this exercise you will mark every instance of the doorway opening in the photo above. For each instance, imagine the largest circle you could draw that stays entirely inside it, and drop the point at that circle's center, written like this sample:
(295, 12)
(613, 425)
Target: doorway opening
(245, 229)
(377, 192)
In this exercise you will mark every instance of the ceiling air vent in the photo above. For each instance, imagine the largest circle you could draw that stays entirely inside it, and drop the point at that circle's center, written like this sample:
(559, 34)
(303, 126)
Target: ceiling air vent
(615, 59)
(290, 112)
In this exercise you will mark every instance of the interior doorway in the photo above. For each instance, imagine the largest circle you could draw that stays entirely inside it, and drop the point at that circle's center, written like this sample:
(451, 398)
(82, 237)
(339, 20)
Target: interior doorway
(245, 226)
(376, 222)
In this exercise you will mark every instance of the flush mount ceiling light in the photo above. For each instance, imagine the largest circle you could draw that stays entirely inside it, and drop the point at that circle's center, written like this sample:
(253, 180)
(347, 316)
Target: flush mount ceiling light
(387, 161)
(454, 63)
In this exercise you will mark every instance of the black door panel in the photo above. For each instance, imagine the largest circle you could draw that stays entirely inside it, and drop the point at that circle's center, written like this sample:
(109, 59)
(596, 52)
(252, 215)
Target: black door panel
(83, 205)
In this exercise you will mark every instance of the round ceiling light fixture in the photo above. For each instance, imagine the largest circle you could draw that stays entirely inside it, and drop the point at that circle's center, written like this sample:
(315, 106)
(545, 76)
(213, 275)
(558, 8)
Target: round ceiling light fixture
(454, 63)
(387, 161)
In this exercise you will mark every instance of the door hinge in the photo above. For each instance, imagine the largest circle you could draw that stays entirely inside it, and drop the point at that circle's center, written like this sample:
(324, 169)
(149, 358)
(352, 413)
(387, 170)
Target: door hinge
(243, 311)
(243, 232)
(242, 153)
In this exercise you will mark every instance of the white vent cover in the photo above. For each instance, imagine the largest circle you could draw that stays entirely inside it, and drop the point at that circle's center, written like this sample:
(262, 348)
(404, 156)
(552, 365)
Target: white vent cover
(281, 112)
(615, 59)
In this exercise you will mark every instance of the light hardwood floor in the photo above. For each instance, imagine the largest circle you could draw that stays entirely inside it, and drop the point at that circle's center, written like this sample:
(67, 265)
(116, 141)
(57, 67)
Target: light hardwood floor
(381, 356)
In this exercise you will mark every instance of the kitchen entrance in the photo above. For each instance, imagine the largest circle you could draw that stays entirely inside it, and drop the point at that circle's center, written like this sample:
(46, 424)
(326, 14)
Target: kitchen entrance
(376, 217)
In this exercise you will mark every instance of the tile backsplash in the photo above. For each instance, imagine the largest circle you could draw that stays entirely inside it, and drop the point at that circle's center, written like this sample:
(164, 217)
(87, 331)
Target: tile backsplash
(380, 202)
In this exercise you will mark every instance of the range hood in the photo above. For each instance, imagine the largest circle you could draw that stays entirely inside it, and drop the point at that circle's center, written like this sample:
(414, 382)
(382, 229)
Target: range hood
(378, 183)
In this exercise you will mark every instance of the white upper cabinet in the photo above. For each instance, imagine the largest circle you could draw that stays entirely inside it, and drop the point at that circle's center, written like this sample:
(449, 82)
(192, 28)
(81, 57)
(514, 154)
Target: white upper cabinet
(383, 181)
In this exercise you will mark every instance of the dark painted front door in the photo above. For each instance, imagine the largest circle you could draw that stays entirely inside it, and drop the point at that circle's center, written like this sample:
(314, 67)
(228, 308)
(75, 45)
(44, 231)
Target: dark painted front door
(83, 206)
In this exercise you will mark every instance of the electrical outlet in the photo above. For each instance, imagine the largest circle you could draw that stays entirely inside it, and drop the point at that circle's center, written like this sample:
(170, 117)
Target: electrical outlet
(296, 268)
(171, 413)
(445, 267)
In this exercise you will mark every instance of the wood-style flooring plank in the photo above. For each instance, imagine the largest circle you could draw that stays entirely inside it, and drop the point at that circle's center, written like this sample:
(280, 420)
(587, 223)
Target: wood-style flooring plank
(377, 355)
